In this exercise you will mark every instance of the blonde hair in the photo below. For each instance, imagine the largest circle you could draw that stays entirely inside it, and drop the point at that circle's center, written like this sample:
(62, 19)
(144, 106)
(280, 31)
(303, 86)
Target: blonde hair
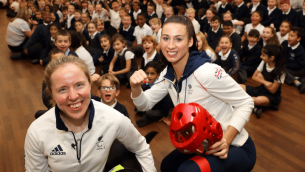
(205, 44)
(113, 80)
(64, 60)
(191, 10)
(155, 21)
(22, 14)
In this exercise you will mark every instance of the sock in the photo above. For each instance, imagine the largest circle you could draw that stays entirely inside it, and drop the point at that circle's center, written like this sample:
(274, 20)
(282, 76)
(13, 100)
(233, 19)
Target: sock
(298, 84)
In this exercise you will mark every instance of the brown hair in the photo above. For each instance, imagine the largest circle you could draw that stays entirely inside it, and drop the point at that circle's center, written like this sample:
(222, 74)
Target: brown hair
(205, 44)
(118, 37)
(99, 20)
(149, 38)
(274, 39)
(113, 80)
(56, 63)
(62, 32)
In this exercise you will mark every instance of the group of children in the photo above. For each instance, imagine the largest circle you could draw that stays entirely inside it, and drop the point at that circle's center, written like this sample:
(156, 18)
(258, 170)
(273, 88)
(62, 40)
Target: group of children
(111, 34)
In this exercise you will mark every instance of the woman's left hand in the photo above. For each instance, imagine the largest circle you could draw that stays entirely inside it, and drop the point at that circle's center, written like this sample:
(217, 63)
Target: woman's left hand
(220, 148)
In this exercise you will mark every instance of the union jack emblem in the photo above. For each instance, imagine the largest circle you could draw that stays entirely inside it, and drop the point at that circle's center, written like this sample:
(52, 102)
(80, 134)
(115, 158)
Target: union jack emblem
(218, 73)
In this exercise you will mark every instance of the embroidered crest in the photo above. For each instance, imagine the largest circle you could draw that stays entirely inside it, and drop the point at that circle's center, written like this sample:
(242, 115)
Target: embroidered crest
(218, 73)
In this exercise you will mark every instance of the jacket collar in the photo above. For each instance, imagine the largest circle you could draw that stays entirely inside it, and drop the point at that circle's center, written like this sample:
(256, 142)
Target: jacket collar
(60, 125)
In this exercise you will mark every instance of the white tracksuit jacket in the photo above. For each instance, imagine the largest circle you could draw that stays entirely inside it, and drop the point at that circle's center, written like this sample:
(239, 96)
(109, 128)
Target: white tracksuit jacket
(48, 143)
(208, 85)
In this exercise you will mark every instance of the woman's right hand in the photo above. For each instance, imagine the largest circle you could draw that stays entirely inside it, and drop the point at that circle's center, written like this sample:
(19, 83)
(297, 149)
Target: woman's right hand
(138, 78)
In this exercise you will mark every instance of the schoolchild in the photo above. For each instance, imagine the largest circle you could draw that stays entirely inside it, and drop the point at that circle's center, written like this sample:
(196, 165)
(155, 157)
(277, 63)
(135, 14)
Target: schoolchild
(127, 30)
(190, 13)
(100, 26)
(251, 52)
(44, 59)
(257, 6)
(141, 30)
(149, 47)
(65, 13)
(105, 58)
(84, 6)
(288, 13)
(79, 27)
(271, 75)
(282, 35)
(63, 42)
(115, 17)
(150, 12)
(108, 91)
(224, 8)
(295, 56)
(78, 44)
(136, 11)
(38, 17)
(237, 24)
(100, 13)
(214, 33)
(256, 18)
(269, 37)
(70, 17)
(228, 59)
(240, 10)
(274, 15)
(210, 13)
(94, 41)
(301, 17)
(161, 110)
(159, 9)
(168, 12)
(156, 27)
(85, 17)
(126, 58)
(91, 10)
(203, 45)
(13, 8)
(228, 30)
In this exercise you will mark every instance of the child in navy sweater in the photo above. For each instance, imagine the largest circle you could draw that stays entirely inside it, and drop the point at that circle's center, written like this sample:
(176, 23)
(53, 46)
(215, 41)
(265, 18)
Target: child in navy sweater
(288, 13)
(240, 10)
(270, 74)
(251, 52)
(160, 110)
(273, 15)
(108, 52)
(149, 46)
(228, 30)
(215, 32)
(94, 41)
(108, 91)
(257, 6)
(224, 7)
(295, 56)
(127, 30)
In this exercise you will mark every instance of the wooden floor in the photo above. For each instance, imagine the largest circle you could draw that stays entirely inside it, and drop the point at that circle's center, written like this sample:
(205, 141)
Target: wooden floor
(279, 136)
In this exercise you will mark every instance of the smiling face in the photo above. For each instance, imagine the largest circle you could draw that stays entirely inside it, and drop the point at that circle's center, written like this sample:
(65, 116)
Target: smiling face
(267, 34)
(150, 10)
(136, 7)
(284, 28)
(105, 43)
(122, 13)
(252, 40)
(152, 74)
(209, 15)
(141, 20)
(168, 12)
(79, 26)
(118, 46)
(91, 28)
(100, 26)
(53, 17)
(190, 15)
(84, 5)
(98, 8)
(115, 6)
(62, 42)
(155, 27)
(108, 96)
(225, 45)
(71, 91)
(255, 18)
(227, 17)
(126, 21)
(77, 16)
(215, 24)
(47, 17)
(84, 18)
(148, 46)
(175, 43)
(71, 9)
(266, 58)
(90, 9)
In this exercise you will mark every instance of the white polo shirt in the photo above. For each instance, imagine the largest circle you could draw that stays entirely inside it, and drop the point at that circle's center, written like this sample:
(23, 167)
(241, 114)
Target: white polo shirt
(139, 32)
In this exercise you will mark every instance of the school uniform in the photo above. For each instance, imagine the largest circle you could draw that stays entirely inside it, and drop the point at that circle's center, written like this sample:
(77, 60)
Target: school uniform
(107, 56)
(101, 15)
(291, 15)
(159, 10)
(86, 34)
(192, 4)
(114, 23)
(163, 19)
(259, 28)
(241, 11)
(119, 107)
(196, 25)
(282, 39)
(155, 57)
(142, 31)
(149, 17)
(121, 58)
(224, 8)
(274, 16)
(157, 36)
(70, 22)
(207, 26)
(127, 34)
(250, 58)
(103, 32)
(134, 16)
(214, 36)
(94, 44)
(275, 98)
(229, 62)
(50, 45)
(236, 41)
(295, 64)
(261, 8)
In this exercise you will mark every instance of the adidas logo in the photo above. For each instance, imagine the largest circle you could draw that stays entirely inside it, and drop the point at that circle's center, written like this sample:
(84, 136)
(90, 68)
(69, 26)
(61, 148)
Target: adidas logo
(58, 151)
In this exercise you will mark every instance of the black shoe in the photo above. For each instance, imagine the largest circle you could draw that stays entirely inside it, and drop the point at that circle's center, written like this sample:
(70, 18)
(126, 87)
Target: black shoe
(258, 111)
(35, 61)
(142, 122)
(302, 88)
(16, 57)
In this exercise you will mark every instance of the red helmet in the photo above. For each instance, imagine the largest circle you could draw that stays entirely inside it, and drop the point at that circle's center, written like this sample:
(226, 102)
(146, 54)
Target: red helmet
(190, 125)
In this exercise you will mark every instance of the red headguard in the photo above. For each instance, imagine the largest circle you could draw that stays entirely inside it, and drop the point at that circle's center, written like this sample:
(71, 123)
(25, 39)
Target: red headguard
(190, 125)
